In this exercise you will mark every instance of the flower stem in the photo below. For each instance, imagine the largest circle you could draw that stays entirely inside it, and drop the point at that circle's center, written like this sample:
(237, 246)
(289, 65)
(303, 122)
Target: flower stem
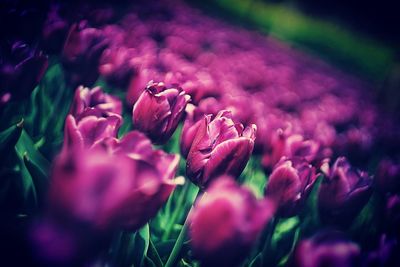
(177, 211)
(268, 240)
(173, 257)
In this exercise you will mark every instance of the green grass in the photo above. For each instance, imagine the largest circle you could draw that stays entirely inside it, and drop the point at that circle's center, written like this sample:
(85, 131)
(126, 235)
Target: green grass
(350, 50)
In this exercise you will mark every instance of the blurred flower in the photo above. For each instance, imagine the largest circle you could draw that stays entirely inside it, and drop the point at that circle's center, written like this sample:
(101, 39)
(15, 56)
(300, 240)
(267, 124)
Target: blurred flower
(392, 215)
(55, 30)
(56, 243)
(81, 53)
(289, 145)
(220, 146)
(21, 69)
(387, 178)
(94, 102)
(343, 193)
(116, 184)
(159, 110)
(386, 254)
(226, 222)
(326, 249)
(117, 67)
(289, 185)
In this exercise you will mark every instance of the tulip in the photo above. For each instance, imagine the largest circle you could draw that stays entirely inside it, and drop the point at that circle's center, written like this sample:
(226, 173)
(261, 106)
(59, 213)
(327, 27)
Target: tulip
(55, 30)
(290, 184)
(220, 146)
(189, 129)
(392, 215)
(343, 192)
(326, 249)
(388, 176)
(61, 243)
(289, 145)
(386, 254)
(226, 222)
(21, 69)
(159, 110)
(81, 54)
(89, 130)
(114, 185)
(117, 67)
(94, 102)
(194, 114)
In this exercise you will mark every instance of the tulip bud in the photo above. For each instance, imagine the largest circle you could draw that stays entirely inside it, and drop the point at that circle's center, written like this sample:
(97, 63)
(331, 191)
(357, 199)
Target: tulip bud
(220, 146)
(94, 102)
(21, 69)
(226, 222)
(81, 53)
(116, 184)
(290, 184)
(388, 176)
(159, 110)
(326, 249)
(343, 192)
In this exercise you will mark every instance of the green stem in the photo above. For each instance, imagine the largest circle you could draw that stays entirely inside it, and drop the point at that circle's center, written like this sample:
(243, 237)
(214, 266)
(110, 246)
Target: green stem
(176, 213)
(173, 257)
(267, 243)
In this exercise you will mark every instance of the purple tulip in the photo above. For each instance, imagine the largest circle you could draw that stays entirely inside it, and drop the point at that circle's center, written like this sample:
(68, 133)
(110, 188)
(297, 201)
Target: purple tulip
(159, 110)
(343, 192)
(65, 243)
(117, 66)
(290, 184)
(116, 184)
(21, 69)
(326, 249)
(386, 254)
(226, 222)
(94, 102)
(89, 130)
(194, 116)
(387, 177)
(220, 146)
(81, 54)
(189, 129)
(392, 215)
(289, 145)
(55, 30)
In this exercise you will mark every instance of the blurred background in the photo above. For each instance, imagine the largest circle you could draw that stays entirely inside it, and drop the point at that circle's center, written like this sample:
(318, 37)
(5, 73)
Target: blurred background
(360, 37)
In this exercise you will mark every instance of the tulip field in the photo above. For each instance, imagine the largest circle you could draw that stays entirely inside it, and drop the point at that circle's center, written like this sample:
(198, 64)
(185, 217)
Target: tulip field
(151, 133)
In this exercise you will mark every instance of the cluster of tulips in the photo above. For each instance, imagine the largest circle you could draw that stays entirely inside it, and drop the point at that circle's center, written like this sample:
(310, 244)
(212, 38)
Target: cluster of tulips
(248, 152)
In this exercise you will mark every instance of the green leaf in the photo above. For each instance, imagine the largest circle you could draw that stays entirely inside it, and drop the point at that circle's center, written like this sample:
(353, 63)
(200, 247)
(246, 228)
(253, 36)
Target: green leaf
(148, 262)
(281, 242)
(141, 245)
(26, 145)
(153, 255)
(39, 178)
(257, 261)
(164, 248)
(9, 138)
(367, 225)
(310, 214)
